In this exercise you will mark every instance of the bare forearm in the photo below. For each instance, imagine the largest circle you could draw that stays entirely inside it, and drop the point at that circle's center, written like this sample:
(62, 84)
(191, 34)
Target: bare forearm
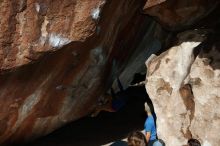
(147, 136)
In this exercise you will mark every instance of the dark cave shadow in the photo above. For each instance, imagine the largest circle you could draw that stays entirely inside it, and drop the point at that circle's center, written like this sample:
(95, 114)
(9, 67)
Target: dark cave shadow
(211, 51)
(105, 128)
(211, 30)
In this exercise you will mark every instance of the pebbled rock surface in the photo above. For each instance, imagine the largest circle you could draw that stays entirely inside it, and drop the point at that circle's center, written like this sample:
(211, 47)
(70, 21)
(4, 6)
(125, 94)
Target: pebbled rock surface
(183, 83)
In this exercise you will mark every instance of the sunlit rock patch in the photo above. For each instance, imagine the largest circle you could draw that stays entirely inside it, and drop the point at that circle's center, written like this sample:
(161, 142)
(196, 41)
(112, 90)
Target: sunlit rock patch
(191, 69)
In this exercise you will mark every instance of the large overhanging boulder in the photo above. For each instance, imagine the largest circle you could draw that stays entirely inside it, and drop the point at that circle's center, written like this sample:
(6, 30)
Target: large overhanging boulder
(184, 84)
(58, 57)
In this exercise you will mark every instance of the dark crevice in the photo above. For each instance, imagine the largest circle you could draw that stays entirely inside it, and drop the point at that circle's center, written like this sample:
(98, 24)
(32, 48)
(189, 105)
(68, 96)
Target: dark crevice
(188, 100)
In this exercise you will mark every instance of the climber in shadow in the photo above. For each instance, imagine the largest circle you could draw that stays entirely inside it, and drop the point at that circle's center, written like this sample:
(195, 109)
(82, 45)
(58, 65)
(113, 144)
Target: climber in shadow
(111, 102)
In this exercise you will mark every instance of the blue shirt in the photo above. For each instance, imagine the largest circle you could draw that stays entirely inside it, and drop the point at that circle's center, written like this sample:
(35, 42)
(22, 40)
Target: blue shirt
(149, 126)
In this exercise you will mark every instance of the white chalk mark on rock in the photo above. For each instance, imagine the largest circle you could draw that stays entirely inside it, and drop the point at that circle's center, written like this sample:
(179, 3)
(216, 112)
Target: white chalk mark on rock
(96, 12)
(58, 41)
(37, 6)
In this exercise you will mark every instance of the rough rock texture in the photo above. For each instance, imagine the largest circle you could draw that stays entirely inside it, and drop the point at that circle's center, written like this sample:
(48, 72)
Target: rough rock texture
(178, 14)
(57, 58)
(184, 84)
(29, 27)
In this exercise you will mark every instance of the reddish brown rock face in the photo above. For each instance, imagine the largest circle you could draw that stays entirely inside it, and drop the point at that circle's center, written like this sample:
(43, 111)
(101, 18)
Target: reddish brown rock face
(29, 27)
(57, 58)
(178, 14)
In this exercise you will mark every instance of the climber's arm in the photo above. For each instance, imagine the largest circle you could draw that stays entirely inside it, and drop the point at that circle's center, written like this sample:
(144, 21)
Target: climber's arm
(147, 134)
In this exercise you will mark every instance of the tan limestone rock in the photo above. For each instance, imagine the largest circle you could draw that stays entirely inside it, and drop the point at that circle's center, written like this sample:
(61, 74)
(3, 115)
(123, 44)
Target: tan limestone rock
(185, 91)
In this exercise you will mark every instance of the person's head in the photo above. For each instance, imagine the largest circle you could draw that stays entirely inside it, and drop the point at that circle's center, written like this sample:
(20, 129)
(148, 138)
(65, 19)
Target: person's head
(193, 142)
(147, 108)
(136, 138)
